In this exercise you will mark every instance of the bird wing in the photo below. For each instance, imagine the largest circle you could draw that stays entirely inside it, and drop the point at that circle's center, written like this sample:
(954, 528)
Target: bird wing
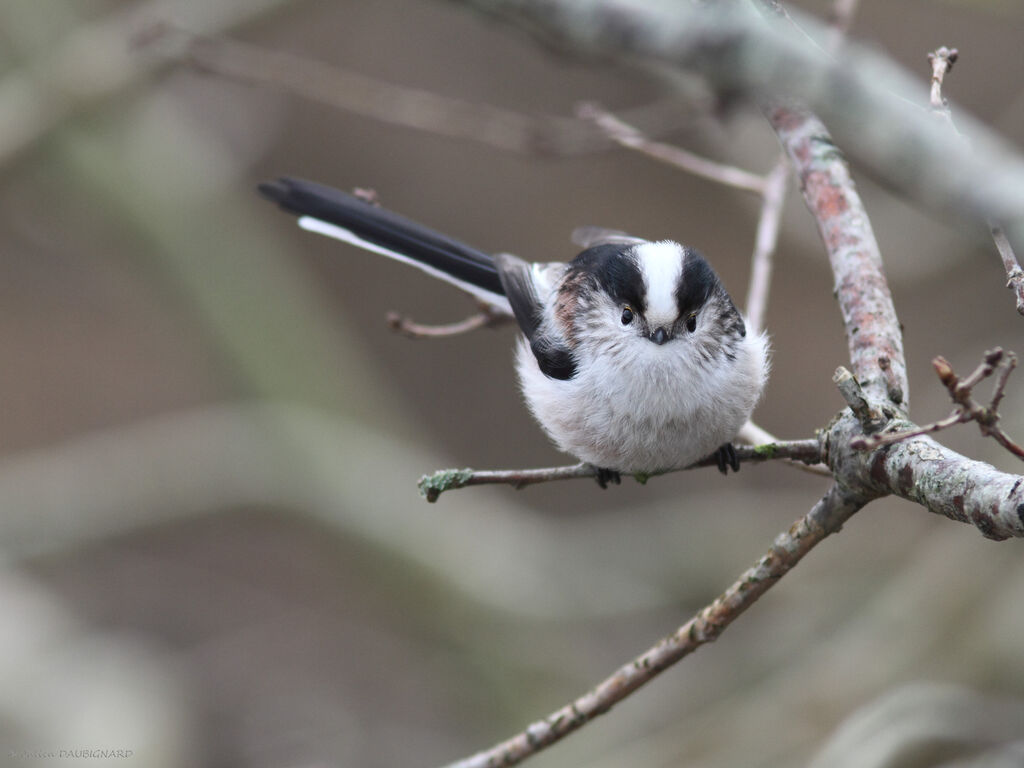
(525, 284)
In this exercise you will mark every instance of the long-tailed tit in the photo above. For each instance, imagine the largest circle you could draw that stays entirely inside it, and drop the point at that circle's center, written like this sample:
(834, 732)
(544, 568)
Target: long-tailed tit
(633, 358)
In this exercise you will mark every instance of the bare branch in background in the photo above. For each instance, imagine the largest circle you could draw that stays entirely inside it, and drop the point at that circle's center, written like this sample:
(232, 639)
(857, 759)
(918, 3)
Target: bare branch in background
(765, 242)
(789, 547)
(942, 60)
(414, 107)
(901, 143)
(96, 61)
(630, 137)
(1014, 274)
(433, 485)
(485, 318)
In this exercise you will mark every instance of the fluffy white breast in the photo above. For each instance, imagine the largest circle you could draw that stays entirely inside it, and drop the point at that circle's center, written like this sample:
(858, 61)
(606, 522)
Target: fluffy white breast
(661, 264)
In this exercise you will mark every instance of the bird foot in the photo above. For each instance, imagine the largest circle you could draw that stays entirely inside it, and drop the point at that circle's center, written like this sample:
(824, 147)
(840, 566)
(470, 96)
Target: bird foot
(605, 476)
(726, 456)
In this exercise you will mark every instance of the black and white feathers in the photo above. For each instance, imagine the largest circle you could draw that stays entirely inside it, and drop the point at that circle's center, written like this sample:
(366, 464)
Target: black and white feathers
(633, 357)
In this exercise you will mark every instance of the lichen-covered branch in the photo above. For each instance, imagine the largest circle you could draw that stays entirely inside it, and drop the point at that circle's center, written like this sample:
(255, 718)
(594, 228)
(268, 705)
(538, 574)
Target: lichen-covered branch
(939, 479)
(948, 484)
(826, 517)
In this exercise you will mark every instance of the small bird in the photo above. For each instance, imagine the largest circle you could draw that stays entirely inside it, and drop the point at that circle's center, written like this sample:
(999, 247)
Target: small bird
(633, 357)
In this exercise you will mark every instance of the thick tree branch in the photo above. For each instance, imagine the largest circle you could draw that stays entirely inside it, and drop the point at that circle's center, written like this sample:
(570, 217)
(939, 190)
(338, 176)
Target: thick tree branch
(433, 485)
(941, 480)
(826, 517)
(872, 329)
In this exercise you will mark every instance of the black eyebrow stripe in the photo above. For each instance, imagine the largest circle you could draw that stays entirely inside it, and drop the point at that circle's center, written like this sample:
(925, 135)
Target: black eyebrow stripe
(696, 283)
(615, 270)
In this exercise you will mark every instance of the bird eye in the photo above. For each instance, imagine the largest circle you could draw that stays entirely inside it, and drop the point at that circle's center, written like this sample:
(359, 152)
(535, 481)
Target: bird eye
(691, 322)
(627, 315)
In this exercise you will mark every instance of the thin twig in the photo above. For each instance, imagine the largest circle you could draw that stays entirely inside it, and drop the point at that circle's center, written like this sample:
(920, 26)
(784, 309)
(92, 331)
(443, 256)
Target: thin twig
(789, 547)
(626, 135)
(942, 60)
(408, 327)
(1014, 274)
(870, 418)
(751, 434)
(966, 408)
(432, 486)
(765, 243)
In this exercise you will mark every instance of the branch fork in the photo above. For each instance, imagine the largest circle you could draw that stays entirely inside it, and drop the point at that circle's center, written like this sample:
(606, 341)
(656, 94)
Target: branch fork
(966, 407)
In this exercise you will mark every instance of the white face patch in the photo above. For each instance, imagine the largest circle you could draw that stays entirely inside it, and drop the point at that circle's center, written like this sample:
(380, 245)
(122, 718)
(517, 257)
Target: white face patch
(661, 264)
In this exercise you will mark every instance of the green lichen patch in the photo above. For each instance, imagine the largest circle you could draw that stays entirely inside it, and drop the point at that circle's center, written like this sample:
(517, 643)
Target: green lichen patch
(432, 486)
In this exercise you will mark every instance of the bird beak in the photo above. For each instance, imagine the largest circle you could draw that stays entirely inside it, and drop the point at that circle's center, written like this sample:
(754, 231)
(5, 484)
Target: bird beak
(660, 336)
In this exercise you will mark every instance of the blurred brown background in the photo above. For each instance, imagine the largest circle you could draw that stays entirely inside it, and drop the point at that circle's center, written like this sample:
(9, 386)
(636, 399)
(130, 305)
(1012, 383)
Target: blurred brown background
(215, 550)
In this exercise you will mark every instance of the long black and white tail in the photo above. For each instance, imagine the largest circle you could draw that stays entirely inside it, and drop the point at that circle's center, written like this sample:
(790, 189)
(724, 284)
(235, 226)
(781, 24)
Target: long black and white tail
(345, 217)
